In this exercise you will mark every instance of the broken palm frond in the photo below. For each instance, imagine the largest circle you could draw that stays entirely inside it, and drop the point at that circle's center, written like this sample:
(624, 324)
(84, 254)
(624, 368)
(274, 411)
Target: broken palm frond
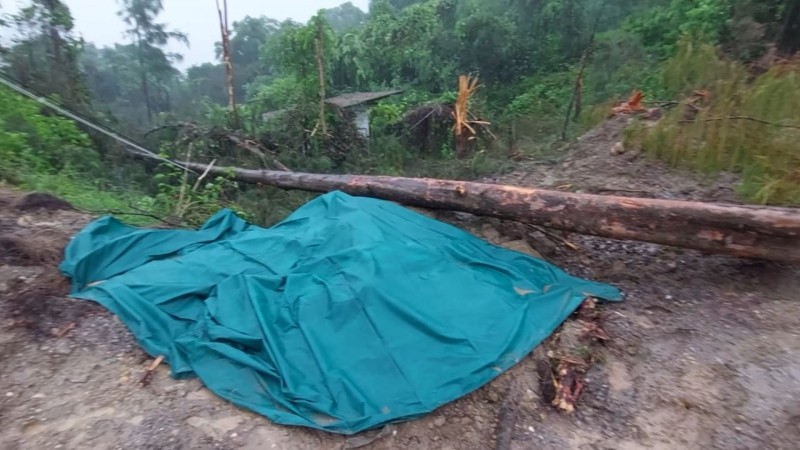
(632, 105)
(148, 374)
(463, 126)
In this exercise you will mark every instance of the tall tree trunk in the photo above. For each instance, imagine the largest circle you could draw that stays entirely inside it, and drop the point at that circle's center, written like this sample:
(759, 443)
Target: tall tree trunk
(319, 51)
(789, 41)
(57, 66)
(228, 61)
(744, 231)
(143, 79)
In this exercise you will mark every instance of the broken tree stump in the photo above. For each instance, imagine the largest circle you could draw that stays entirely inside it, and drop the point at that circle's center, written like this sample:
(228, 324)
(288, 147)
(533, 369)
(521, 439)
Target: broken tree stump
(767, 233)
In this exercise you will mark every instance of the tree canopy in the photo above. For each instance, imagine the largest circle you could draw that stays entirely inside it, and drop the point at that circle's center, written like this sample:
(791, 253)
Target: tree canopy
(535, 61)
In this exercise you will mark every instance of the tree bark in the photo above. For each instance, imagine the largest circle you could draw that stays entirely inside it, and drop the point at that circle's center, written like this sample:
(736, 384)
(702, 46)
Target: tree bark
(745, 231)
(228, 61)
(789, 40)
(319, 53)
(143, 79)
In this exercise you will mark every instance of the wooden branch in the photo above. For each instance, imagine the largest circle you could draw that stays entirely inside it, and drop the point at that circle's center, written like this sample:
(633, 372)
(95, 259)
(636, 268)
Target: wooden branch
(751, 119)
(170, 126)
(319, 55)
(257, 150)
(508, 418)
(203, 176)
(116, 212)
(226, 58)
(743, 231)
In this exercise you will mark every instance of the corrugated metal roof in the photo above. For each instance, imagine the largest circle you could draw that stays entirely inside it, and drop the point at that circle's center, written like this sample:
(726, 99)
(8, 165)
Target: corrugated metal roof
(357, 98)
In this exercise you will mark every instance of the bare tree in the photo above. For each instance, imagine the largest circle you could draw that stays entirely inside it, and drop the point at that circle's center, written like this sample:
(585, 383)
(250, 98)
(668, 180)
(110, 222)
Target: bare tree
(226, 58)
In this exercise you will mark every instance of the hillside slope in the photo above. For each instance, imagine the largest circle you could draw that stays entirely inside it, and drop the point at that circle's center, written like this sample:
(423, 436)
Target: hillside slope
(703, 352)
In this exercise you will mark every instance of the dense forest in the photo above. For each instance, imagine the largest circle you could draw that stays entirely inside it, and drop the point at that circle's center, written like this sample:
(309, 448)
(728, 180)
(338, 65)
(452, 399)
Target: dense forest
(546, 70)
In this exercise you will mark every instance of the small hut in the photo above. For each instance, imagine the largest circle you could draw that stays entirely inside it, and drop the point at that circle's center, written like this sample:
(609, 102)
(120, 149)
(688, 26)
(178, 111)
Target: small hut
(359, 103)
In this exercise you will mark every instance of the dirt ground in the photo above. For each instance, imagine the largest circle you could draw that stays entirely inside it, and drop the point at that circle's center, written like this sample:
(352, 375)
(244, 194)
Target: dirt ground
(703, 353)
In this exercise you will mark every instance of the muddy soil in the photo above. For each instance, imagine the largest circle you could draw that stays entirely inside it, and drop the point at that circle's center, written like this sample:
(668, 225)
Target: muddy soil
(703, 353)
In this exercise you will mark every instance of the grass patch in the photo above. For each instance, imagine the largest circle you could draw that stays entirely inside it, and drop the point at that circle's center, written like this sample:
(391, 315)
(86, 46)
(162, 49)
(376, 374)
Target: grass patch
(741, 123)
(87, 197)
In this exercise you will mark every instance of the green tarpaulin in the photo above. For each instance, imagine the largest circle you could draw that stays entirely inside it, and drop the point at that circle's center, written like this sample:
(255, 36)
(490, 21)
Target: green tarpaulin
(350, 314)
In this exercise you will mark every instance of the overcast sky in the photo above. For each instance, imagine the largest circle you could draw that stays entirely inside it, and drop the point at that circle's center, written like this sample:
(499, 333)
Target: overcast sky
(97, 20)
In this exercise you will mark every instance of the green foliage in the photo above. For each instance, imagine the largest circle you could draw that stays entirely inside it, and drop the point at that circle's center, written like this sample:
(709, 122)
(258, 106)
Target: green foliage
(345, 17)
(526, 53)
(280, 93)
(32, 143)
(192, 202)
(741, 128)
(154, 66)
(88, 196)
(661, 27)
(386, 114)
(44, 53)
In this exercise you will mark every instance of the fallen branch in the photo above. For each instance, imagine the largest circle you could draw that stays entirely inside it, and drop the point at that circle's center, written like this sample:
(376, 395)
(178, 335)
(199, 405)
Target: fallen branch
(116, 212)
(203, 176)
(508, 418)
(181, 125)
(743, 231)
(554, 238)
(751, 119)
(257, 150)
(148, 374)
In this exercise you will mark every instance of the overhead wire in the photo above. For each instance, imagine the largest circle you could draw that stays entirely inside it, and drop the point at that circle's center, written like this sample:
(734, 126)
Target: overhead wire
(6, 80)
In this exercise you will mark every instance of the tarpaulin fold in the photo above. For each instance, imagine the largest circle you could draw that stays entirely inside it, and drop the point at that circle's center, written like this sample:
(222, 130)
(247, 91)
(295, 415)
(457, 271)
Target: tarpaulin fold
(350, 314)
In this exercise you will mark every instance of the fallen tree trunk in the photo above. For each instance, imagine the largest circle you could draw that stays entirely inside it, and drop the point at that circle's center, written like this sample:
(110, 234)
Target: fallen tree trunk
(744, 231)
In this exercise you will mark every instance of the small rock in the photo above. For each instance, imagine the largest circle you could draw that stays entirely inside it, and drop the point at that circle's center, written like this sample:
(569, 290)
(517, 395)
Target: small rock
(492, 397)
(80, 379)
(618, 149)
(440, 421)
(62, 348)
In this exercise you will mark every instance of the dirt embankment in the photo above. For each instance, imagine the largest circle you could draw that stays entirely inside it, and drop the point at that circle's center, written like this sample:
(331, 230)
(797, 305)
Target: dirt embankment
(703, 353)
